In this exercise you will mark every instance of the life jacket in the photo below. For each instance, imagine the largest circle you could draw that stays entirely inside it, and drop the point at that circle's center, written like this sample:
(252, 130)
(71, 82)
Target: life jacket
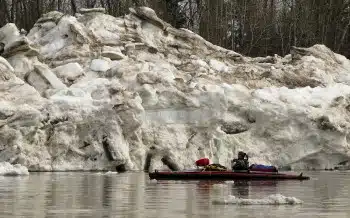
(240, 164)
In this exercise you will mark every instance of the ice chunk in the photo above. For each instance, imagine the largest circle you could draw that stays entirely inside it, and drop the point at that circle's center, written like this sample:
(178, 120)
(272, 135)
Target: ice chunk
(7, 169)
(114, 53)
(70, 71)
(50, 77)
(99, 65)
(109, 173)
(276, 199)
(218, 66)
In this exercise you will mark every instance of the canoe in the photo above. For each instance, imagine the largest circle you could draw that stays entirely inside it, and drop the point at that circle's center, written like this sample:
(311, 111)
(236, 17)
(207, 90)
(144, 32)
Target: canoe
(224, 175)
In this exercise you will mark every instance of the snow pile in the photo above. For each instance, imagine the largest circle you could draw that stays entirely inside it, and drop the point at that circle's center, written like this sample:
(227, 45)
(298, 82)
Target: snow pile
(7, 169)
(96, 92)
(276, 199)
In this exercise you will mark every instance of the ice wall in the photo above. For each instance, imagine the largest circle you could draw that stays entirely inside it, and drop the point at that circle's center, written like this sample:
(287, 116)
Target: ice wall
(96, 92)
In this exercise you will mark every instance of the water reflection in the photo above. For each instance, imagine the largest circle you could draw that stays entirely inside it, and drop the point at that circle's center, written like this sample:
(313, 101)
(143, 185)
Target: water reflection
(134, 195)
(266, 187)
(107, 194)
(202, 195)
(238, 188)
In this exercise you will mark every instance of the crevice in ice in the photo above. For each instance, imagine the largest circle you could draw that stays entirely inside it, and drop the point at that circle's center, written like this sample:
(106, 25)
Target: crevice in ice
(152, 153)
(188, 144)
(324, 123)
(121, 168)
(2, 47)
(86, 144)
(148, 162)
(110, 154)
(58, 120)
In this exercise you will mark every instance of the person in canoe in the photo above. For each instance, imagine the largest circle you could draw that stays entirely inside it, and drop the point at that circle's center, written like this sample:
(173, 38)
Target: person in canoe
(241, 163)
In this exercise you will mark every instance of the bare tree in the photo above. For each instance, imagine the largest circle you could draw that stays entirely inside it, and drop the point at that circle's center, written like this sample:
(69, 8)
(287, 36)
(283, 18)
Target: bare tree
(251, 27)
(73, 6)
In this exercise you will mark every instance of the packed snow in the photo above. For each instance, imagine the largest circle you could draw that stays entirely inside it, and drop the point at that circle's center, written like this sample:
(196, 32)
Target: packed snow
(96, 92)
(276, 199)
(7, 169)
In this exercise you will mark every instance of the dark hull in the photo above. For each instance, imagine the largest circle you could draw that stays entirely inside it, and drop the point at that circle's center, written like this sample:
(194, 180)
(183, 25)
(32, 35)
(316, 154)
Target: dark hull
(226, 175)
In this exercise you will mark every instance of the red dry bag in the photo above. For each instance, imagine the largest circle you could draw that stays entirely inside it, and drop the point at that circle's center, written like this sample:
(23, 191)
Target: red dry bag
(202, 162)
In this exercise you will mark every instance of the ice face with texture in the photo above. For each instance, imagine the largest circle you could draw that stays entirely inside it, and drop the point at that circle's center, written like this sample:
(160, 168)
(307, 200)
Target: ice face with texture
(96, 92)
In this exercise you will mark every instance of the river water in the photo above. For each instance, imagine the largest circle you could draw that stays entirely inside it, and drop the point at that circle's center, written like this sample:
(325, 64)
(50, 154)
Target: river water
(134, 195)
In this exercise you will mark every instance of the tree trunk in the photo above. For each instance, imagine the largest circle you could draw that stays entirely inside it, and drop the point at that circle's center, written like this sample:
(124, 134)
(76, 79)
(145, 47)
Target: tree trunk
(73, 6)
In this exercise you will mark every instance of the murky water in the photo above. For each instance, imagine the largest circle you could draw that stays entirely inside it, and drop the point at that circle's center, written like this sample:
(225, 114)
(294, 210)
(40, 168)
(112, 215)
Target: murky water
(134, 195)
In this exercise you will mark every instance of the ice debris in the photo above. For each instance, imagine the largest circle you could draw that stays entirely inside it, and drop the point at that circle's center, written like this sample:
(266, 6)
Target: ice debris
(7, 169)
(276, 199)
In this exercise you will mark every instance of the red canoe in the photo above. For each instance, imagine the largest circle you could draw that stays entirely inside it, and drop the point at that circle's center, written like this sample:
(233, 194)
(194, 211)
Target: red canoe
(223, 175)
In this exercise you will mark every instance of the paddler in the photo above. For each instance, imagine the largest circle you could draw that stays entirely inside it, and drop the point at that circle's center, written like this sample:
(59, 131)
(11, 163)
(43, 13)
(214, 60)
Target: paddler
(241, 163)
